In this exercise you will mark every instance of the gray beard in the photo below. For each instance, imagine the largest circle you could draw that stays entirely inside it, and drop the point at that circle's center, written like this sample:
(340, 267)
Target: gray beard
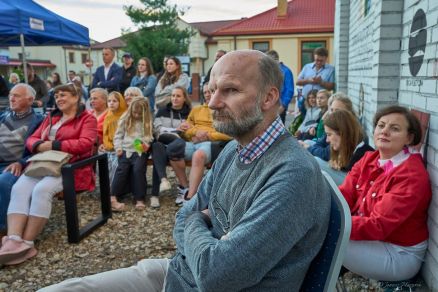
(235, 127)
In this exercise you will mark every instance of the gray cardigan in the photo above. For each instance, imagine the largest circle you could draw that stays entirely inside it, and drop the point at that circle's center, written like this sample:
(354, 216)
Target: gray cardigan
(268, 221)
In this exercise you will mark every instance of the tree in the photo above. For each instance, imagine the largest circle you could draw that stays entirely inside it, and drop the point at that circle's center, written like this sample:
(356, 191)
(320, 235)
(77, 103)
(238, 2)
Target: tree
(158, 34)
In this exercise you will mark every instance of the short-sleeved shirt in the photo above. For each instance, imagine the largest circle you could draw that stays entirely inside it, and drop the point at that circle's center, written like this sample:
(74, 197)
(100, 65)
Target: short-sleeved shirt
(327, 73)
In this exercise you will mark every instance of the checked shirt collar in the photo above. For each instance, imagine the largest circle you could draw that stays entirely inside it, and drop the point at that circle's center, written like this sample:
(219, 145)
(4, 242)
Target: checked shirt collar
(261, 143)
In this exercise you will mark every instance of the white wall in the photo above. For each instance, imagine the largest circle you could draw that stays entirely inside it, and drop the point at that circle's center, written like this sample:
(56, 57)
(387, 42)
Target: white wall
(372, 62)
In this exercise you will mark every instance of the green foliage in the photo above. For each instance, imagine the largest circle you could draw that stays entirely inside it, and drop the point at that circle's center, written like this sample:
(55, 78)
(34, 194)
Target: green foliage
(158, 34)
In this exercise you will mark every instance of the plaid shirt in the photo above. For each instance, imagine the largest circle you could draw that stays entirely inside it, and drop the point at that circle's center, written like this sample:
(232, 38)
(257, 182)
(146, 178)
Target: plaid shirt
(261, 143)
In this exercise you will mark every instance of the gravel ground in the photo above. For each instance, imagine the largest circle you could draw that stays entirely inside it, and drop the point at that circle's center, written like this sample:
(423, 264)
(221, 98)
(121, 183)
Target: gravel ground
(126, 238)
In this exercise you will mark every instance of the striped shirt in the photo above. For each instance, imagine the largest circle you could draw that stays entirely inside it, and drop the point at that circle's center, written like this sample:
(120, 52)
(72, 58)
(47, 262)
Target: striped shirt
(261, 143)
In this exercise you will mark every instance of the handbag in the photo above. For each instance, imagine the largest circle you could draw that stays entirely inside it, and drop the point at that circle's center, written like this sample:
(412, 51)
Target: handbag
(47, 163)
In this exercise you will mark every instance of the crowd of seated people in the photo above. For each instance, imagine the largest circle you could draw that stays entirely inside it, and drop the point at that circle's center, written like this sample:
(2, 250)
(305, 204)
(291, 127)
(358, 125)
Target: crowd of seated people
(388, 190)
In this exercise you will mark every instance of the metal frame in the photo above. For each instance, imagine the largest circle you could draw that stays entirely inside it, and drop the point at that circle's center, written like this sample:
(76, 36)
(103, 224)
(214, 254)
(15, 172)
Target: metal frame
(74, 232)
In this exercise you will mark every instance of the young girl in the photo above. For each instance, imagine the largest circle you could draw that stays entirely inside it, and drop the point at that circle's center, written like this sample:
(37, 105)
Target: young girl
(313, 114)
(347, 145)
(116, 107)
(131, 142)
(168, 145)
(322, 98)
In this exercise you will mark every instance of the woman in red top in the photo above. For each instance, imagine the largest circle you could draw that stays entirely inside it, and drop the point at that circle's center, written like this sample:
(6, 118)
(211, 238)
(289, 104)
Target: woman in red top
(389, 192)
(70, 129)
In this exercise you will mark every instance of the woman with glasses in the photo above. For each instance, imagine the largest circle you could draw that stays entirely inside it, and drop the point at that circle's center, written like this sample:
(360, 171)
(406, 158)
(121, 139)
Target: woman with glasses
(173, 77)
(145, 80)
(69, 128)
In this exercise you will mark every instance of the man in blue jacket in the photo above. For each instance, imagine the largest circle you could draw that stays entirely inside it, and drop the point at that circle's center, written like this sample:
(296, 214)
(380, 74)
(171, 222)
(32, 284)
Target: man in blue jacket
(260, 214)
(16, 124)
(109, 75)
(287, 91)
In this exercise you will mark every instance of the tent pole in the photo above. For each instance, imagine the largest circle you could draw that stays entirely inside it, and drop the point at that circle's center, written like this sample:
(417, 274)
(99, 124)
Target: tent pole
(23, 56)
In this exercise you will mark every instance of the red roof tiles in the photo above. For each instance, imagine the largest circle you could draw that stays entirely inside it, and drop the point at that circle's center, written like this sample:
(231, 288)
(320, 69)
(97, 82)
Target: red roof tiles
(303, 16)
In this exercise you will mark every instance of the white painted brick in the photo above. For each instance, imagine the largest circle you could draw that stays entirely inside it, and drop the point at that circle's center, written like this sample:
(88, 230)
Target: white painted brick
(434, 35)
(433, 214)
(433, 232)
(394, 31)
(431, 155)
(433, 125)
(430, 268)
(432, 105)
(391, 19)
(394, 5)
(388, 83)
(405, 97)
(408, 14)
(419, 101)
(431, 50)
(433, 140)
(429, 86)
(433, 4)
(432, 67)
(433, 175)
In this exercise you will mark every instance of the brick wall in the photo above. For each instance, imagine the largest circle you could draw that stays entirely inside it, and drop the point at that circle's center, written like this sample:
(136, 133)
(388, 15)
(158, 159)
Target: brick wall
(420, 91)
(378, 70)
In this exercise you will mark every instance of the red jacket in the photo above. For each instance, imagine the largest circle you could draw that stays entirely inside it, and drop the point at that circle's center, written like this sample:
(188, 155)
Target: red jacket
(76, 136)
(388, 207)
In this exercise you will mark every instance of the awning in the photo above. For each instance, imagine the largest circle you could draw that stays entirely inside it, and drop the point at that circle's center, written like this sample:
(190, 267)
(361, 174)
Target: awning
(34, 63)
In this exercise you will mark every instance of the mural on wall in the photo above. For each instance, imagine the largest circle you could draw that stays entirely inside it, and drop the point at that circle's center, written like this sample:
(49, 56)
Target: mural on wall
(417, 42)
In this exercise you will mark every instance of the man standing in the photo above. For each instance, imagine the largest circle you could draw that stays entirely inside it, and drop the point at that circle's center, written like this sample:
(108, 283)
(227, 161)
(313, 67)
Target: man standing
(108, 75)
(261, 213)
(16, 125)
(71, 76)
(317, 75)
(128, 71)
(287, 91)
(219, 54)
(40, 87)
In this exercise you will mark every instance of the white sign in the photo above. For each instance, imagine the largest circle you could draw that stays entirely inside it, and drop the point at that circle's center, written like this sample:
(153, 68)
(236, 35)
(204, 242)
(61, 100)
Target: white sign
(35, 23)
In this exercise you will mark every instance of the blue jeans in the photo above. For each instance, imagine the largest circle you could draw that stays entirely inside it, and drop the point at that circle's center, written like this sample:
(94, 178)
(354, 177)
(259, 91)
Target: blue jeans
(7, 180)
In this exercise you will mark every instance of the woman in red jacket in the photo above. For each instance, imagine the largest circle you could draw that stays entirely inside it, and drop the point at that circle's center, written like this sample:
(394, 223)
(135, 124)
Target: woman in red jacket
(389, 192)
(70, 129)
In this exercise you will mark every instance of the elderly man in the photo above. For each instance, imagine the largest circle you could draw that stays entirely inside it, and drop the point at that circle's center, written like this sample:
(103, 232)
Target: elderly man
(16, 125)
(317, 75)
(261, 213)
(109, 75)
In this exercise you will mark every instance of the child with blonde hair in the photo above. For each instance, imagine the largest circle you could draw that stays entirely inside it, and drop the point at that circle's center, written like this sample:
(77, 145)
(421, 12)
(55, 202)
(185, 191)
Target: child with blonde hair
(131, 143)
(116, 108)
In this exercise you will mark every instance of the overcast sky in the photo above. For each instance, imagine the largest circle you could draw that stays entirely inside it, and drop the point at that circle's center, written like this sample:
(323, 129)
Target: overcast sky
(106, 18)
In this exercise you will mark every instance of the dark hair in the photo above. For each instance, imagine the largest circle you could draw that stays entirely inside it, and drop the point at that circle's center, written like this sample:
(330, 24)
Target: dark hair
(323, 52)
(149, 67)
(414, 126)
(347, 126)
(313, 92)
(58, 81)
(168, 78)
(71, 88)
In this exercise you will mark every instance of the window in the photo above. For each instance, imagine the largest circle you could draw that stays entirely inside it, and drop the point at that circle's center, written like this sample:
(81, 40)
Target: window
(307, 48)
(71, 57)
(84, 58)
(262, 45)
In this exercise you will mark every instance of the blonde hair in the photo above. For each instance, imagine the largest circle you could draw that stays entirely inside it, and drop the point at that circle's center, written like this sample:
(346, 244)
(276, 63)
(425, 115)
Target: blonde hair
(128, 117)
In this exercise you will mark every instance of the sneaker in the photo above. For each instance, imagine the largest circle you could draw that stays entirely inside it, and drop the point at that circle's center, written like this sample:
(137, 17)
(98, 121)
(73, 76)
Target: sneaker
(182, 192)
(155, 202)
(165, 185)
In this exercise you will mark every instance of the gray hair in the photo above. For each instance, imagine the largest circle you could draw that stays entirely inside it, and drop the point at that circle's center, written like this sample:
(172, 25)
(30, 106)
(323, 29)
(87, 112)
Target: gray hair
(102, 91)
(134, 90)
(14, 75)
(29, 89)
(270, 74)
